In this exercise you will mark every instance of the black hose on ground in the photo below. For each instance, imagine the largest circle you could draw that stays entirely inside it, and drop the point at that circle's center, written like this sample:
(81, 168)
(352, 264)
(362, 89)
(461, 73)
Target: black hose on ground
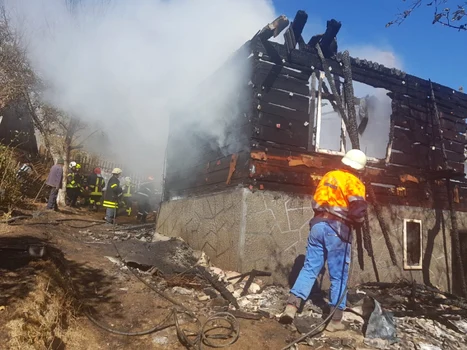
(157, 328)
(200, 336)
(73, 219)
(86, 226)
(35, 223)
(135, 227)
(20, 217)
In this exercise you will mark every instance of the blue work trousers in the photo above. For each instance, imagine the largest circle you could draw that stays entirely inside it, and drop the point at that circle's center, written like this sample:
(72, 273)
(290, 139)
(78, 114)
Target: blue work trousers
(323, 242)
(110, 215)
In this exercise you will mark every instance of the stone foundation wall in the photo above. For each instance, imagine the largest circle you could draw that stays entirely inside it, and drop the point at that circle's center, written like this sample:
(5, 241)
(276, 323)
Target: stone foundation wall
(241, 230)
(210, 223)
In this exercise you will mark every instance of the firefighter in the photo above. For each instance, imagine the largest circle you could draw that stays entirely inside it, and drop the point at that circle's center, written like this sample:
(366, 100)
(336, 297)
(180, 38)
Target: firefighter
(72, 185)
(339, 204)
(95, 184)
(22, 175)
(128, 191)
(112, 196)
(81, 180)
(145, 191)
(24, 170)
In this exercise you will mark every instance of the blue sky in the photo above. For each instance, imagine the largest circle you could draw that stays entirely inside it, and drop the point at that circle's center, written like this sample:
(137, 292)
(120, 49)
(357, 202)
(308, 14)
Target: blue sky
(425, 50)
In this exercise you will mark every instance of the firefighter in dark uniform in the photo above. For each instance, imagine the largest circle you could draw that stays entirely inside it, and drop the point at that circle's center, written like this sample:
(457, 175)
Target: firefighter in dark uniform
(73, 185)
(95, 184)
(128, 192)
(145, 191)
(81, 180)
(112, 196)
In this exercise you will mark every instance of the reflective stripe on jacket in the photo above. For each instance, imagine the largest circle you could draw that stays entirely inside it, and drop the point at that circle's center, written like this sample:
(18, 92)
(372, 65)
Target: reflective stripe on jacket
(343, 194)
(109, 204)
(72, 180)
(96, 184)
(129, 190)
(112, 193)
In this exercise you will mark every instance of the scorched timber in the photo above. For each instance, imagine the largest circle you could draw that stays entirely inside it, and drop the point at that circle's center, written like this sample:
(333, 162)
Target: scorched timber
(372, 74)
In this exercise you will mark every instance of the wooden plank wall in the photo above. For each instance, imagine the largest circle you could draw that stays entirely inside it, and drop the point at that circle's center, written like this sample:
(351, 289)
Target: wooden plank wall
(279, 156)
(272, 136)
(281, 103)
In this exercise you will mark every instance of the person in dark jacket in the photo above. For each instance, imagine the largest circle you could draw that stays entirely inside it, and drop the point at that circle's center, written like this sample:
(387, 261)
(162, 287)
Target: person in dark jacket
(112, 196)
(145, 191)
(95, 183)
(54, 180)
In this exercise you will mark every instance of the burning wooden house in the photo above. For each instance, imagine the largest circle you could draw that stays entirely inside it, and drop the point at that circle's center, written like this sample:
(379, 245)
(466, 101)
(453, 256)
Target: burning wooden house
(289, 117)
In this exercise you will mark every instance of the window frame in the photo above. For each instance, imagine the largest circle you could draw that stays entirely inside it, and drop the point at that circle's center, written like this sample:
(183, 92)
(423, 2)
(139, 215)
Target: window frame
(406, 265)
(316, 137)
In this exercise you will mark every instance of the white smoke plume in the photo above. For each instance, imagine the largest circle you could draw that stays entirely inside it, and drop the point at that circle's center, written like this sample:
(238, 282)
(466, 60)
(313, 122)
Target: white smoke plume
(127, 65)
(375, 139)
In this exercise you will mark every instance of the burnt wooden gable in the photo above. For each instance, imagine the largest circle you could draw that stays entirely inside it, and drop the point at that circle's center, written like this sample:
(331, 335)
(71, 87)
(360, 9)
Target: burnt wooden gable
(273, 132)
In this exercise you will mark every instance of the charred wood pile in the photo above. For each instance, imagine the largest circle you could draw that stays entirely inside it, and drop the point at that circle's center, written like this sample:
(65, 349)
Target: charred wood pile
(275, 131)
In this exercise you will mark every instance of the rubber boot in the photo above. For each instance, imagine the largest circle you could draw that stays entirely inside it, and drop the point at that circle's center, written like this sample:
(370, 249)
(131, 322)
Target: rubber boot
(288, 315)
(336, 324)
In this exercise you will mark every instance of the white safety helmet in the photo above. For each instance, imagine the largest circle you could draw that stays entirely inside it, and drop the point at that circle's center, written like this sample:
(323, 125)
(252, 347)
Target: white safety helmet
(72, 165)
(127, 179)
(116, 171)
(355, 159)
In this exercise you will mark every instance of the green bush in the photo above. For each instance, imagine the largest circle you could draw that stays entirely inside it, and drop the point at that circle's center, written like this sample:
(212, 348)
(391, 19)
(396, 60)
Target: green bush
(10, 192)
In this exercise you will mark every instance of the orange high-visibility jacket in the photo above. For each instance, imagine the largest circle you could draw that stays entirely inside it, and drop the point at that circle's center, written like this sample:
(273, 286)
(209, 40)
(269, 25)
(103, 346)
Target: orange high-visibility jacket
(343, 194)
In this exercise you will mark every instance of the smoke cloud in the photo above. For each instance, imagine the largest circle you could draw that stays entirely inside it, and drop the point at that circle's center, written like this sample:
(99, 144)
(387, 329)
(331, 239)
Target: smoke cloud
(127, 65)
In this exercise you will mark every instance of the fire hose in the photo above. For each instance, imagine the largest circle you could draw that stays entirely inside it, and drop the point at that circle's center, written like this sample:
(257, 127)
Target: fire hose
(205, 331)
(201, 336)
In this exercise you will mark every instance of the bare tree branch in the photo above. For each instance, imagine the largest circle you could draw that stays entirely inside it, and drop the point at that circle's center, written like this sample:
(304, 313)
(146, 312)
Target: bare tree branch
(448, 13)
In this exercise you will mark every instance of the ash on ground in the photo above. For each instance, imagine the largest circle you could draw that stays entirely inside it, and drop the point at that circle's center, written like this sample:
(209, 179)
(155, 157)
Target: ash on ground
(168, 264)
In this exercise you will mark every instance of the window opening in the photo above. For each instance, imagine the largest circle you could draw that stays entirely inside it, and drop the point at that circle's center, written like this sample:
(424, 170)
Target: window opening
(373, 108)
(413, 247)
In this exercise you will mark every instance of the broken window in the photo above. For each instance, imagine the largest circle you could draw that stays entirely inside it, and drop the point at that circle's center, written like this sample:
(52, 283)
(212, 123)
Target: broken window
(413, 247)
(373, 110)
(329, 128)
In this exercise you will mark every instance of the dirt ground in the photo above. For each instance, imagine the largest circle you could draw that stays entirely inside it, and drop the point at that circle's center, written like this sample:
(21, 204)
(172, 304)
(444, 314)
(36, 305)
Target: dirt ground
(43, 301)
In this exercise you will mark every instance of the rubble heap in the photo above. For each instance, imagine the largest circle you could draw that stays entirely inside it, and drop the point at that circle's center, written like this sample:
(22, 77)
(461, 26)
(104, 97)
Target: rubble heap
(426, 318)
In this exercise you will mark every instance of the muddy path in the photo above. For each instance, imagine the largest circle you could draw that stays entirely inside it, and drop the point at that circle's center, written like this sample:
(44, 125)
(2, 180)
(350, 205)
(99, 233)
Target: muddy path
(44, 300)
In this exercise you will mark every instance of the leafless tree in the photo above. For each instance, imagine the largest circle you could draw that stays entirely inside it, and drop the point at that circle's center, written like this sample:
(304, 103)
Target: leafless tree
(448, 13)
(16, 75)
(60, 132)
(65, 134)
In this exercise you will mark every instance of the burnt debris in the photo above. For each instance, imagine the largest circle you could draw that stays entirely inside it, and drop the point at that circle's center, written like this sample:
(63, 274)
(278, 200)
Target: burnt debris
(328, 40)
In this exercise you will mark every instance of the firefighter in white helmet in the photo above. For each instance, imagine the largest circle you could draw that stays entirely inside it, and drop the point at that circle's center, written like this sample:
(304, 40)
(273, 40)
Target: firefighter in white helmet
(112, 196)
(339, 204)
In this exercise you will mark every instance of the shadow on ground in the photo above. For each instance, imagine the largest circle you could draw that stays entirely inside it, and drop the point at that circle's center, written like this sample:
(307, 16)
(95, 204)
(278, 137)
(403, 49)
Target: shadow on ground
(89, 286)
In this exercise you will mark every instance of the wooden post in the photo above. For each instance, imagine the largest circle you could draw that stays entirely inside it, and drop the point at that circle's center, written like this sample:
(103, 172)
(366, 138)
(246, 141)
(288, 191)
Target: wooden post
(318, 113)
(311, 112)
